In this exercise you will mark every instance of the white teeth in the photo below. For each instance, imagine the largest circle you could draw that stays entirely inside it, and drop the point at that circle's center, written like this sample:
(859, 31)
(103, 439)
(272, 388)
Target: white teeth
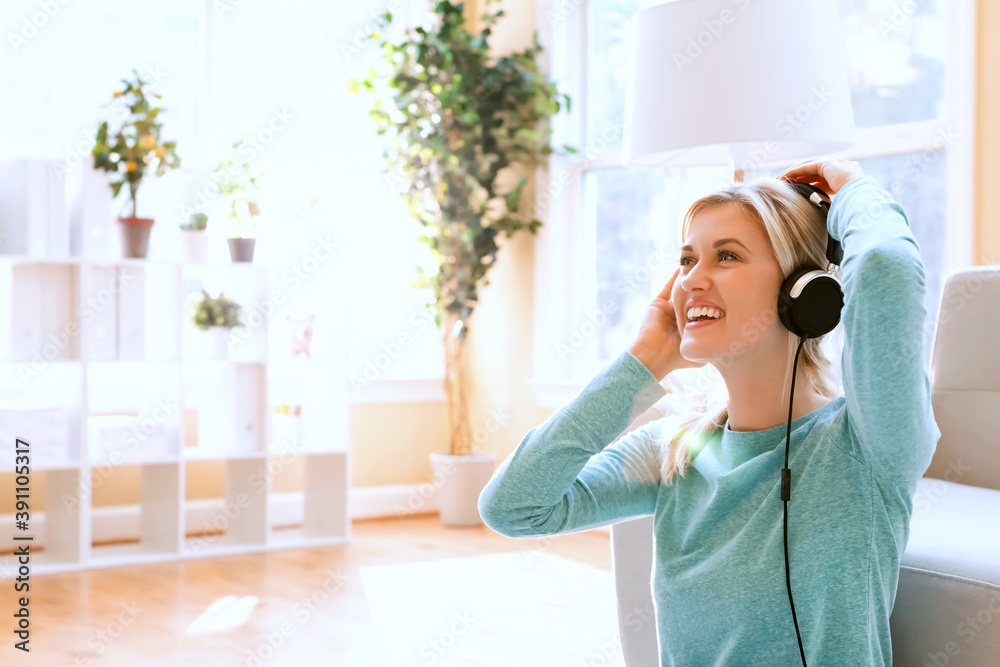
(699, 312)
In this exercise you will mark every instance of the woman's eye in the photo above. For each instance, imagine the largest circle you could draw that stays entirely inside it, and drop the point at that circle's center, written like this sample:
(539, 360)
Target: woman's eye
(722, 253)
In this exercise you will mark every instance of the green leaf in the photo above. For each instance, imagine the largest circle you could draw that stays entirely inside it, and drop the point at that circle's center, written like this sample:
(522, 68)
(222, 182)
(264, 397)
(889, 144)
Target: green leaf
(512, 198)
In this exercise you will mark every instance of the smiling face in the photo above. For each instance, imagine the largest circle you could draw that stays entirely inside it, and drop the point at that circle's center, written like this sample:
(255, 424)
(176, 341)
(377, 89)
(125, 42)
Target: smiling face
(742, 278)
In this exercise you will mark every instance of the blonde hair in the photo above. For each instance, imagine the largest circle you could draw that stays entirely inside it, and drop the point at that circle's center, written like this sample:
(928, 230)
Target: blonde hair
(797, 234)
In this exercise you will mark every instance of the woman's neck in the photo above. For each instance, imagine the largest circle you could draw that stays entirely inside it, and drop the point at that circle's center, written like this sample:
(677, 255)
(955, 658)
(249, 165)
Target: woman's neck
(759, 396)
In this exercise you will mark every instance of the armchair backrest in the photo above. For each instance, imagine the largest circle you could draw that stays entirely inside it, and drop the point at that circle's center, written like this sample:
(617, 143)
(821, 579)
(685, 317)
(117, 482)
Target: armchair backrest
(965, 378)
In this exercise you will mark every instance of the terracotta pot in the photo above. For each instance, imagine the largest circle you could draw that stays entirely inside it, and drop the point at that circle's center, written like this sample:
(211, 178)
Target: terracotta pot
(241, 250)
(459, 481)
(135, 236)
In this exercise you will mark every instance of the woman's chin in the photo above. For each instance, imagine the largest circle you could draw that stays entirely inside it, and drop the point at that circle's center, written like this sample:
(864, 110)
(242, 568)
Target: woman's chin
(694, 353)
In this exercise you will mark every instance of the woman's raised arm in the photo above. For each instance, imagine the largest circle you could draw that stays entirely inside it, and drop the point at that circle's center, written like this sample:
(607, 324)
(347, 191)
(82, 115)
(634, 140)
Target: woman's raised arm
(885, 380)
(564, 477)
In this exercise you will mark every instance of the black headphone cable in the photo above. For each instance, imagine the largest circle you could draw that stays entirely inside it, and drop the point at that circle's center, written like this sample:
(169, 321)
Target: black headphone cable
(786, 494)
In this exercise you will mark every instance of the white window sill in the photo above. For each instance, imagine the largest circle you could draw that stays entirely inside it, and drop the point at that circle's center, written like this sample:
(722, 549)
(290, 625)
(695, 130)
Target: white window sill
(419, 390)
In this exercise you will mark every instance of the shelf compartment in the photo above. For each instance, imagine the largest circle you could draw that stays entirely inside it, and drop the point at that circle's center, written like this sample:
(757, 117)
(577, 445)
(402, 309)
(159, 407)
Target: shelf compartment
(246, 284)
(134, 411)
(318, 387)
(41, 404)
(324, 503)
(57, 543)
(241, 522)
(51, 434)
(225, 402)
(159, 520)
(134, 309)
(38, 300)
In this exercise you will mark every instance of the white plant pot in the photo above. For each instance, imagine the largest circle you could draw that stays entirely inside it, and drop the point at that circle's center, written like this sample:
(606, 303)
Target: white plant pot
(195, 243)
(218, 342)
(459, 481)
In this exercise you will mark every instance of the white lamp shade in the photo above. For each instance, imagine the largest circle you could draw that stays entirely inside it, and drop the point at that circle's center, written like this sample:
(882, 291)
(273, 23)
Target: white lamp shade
(758, 81)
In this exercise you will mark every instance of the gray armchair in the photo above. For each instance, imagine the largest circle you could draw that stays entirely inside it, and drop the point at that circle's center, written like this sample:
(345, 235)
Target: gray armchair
(947, 607)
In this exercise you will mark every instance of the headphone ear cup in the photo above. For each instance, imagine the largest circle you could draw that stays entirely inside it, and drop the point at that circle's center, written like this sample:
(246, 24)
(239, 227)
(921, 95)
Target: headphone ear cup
(816, 309)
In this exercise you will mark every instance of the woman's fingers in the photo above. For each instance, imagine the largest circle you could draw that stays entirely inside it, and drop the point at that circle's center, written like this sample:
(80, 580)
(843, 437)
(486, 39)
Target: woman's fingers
(669, 287)
(807, 168)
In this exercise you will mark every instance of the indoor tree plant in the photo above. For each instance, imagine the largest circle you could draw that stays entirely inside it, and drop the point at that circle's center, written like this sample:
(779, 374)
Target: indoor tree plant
(460, 117)
(216, 315)
(134, 147)
(194, 238)
(239, 184)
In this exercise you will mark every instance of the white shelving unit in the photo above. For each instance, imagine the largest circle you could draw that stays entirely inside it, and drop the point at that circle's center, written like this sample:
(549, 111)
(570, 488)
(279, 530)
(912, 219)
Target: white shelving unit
(101, 367)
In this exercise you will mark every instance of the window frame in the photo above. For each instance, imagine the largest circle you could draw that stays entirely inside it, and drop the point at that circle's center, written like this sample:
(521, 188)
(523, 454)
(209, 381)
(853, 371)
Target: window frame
(563, 310)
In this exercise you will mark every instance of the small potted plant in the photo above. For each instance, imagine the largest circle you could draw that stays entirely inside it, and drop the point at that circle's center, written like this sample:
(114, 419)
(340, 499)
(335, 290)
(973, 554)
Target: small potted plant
(194, 238)
(217, 316)
(236, 182)
(128, 152)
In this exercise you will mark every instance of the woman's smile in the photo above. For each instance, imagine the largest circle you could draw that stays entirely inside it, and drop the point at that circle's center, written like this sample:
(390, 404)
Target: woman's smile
(701, 323)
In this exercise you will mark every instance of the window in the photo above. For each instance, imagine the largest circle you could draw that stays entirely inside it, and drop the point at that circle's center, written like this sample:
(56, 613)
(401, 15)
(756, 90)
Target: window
(226, 70)
(615, 232)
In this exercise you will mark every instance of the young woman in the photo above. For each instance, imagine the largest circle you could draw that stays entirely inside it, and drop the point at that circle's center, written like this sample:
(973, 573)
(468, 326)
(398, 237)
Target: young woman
(711, 474)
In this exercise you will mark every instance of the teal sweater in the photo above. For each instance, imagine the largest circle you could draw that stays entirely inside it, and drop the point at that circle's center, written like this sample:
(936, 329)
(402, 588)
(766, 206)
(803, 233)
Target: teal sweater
(719, 575)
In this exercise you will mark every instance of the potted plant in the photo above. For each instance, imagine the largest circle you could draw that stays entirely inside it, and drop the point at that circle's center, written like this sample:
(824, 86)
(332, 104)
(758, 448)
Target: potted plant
(217, 316)
(459, 117)
(127, 153)
(237, 183)
(194, 238)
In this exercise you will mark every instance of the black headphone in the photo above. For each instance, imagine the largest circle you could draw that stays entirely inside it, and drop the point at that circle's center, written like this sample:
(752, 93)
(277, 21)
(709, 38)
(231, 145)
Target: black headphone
(811, 299)
(809, 306)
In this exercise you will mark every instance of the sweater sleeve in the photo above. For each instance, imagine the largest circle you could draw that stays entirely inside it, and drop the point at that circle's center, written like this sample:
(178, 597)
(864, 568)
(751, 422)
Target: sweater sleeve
(886, 386)
(564, 477)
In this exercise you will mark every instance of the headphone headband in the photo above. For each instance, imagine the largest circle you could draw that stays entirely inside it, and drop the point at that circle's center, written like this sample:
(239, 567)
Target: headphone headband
(817, 197)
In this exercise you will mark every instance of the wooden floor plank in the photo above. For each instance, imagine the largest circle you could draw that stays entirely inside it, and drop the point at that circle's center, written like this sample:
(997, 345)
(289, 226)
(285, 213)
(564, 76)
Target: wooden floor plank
(296, 607)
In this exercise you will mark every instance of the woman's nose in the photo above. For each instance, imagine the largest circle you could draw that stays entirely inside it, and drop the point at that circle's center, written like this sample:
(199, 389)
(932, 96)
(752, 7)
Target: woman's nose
(692, 279)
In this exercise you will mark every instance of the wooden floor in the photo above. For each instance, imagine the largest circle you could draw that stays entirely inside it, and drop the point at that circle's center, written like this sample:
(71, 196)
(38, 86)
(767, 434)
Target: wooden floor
(297, 607)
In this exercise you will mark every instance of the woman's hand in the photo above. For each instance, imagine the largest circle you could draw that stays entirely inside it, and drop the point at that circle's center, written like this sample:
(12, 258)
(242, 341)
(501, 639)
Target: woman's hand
(828, 175)
(658, 344)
